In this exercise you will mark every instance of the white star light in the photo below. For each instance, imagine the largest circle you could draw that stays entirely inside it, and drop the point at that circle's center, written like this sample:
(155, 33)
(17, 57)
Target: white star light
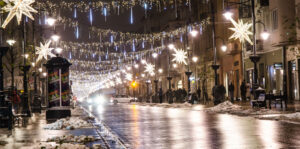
(180, 56)
(128, 76)
(241, 31)
(149, 68)
(17, 8)
(43, 51)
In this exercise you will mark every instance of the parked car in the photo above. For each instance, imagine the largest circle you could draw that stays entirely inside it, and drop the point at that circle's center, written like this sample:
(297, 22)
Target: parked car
(122, 99)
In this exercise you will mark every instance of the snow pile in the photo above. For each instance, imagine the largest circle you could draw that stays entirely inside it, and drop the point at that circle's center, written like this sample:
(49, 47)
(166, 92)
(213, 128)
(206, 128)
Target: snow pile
(290, 116)
(63, 146)
(68, 123)
(71, 138)
(226, 106)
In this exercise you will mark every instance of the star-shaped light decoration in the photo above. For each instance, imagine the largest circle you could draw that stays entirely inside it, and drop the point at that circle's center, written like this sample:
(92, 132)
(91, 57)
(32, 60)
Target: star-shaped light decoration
(180, 56)
(44, 50)
(128, 76)
(241, 31)
(149, 68)
(17, 8)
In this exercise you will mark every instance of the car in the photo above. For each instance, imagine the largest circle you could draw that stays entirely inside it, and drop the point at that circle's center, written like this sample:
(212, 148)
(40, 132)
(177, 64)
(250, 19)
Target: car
(122, 99)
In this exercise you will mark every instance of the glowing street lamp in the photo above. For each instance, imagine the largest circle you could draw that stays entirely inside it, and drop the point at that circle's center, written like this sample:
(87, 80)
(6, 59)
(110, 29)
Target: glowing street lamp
(40, 69)
(26, 56)
(265, 35)
(194, 33)
(58, 50)
(136, 66)
(44, 74)
(228, 15)
(51, 21)
(143, 61)
(55, 38)
(175, 65)
(154, 55)
(224, 48)
(195, 59)
(171, 46)
(11, 42)
(33, 64)
(160, 70)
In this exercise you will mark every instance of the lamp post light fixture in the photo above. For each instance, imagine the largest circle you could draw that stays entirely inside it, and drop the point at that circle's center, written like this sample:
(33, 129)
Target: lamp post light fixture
(224, 48)
(228, 15)
(171, 46)
(160, 70)
(40, 69)
(174, 65)
(136, 66)
(55, 37)
(26, 56)
(194, 33)
(58, 51)
(11, 42)
(51, 21)
(45, 74)
(143, 61)
(33, 64)
(154, 55)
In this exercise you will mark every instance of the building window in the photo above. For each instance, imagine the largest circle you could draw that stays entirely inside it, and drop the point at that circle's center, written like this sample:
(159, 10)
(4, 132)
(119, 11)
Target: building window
(274, 19)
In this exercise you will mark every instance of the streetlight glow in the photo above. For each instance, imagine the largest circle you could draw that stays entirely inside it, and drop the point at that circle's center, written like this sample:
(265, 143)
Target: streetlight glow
(45, 74)
(160, 70)
(136, 66)
(195, 59)
(154, 55)
(143, 61)
(171, 46)
(58, 50)
(175, 65)
(26, 55)
(228, 15)
(40, 69)
(55, 38)
(194, 33)
(33, 64)
(265, 35)
(11, 42)
(143, 75)
(51, 21)
(224, 48)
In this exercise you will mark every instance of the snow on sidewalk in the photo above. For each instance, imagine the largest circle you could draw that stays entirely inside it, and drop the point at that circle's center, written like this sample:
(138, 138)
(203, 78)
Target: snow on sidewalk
(289, 117)
(68, 123)
(77, 120)
(228, 107)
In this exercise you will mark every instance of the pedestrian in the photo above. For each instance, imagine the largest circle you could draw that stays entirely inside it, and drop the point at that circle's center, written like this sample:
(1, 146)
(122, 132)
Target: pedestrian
(243, 90)
(160, 95)
(199, 93)
(231, 91)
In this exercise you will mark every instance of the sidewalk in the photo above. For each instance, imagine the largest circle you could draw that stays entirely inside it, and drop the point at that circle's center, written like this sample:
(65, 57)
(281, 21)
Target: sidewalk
(37, 134)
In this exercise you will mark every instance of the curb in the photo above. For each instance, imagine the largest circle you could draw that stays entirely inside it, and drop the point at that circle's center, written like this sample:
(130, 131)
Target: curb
(107, 131)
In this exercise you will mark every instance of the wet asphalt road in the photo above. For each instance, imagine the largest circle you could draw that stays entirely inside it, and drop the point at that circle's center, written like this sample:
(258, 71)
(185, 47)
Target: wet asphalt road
(144, 127)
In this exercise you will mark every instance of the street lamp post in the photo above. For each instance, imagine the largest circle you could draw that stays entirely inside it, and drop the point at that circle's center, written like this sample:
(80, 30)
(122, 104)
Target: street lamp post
(3, 50)
(195, 59)
(25, 68)
(154, 55)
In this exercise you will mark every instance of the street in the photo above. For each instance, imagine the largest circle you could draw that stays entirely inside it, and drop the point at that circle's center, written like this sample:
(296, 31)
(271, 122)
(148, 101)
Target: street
(154, 127)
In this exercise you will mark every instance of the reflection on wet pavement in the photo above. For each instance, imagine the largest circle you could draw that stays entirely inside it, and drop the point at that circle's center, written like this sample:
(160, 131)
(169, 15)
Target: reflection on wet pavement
(153, 127)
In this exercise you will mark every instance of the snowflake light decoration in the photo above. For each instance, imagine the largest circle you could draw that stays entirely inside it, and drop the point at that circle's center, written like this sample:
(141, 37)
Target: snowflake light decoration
(43, 51)
(241, 31)
(149, 68)
(180, 56)
(128, 76)
(17, 8)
